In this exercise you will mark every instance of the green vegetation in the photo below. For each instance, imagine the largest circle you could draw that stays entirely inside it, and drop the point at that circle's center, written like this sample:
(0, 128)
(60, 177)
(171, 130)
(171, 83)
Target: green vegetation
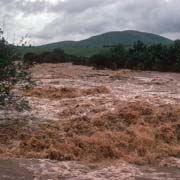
(140, 56)
(143, 57)
(79, 52)
(113, 50)
(101, 42)
(12, 71)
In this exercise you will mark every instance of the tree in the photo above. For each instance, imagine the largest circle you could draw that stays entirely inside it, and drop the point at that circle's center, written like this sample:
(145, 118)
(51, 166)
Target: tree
(12, 71)
(119, 55)
(137, 56)
(30, 58)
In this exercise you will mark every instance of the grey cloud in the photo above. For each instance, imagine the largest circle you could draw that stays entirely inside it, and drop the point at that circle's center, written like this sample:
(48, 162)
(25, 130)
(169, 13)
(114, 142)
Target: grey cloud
(98, 16)
(74, 6)
(78, 19)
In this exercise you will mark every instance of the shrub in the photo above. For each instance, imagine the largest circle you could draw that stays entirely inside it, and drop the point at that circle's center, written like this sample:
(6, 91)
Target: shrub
(12, 71)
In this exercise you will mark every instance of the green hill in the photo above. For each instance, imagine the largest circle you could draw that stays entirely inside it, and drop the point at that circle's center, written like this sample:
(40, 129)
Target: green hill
(95, 44)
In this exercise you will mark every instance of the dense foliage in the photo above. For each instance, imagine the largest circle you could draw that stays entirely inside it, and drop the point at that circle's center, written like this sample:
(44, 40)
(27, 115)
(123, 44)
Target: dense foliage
(143, 57)
(55, 56)
(140, 56)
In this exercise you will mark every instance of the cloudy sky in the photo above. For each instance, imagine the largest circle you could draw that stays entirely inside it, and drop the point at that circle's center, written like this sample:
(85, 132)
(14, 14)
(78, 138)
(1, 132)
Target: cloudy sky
(44, 21)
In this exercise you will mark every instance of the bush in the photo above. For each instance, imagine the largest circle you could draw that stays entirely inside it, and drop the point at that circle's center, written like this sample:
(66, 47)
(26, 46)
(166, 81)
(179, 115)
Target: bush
(12, 71)
(30, 58)
(56, 56)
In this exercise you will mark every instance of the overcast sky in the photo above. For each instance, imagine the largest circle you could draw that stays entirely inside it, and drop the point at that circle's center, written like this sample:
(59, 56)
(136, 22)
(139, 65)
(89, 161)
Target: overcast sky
(45, 21)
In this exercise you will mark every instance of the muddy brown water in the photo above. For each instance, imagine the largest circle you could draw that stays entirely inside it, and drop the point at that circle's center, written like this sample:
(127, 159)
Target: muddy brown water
(23, 169)
(125, 85)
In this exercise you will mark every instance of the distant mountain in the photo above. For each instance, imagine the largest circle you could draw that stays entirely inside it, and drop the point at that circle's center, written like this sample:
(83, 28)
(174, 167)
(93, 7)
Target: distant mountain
(126, 38)
(94, 44)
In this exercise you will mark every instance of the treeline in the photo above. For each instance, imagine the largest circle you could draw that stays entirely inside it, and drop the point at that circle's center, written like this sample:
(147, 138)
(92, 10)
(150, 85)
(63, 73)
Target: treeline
(140, 56)
(55, 56)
